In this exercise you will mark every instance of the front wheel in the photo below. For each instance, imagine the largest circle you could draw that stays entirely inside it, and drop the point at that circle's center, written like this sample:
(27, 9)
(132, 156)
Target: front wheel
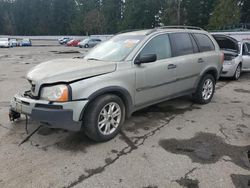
(205, 90)
(104, 118)
(237, 73)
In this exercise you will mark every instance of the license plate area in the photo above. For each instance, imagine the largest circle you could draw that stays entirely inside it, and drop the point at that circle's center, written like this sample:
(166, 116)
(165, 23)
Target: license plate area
(19, 107)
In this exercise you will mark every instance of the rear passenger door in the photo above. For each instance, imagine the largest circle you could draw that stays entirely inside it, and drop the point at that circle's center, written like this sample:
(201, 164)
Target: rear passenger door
(188, 65)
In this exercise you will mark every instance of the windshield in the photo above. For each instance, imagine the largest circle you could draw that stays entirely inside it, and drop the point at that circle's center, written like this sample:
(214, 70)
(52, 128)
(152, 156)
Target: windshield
(116, 49)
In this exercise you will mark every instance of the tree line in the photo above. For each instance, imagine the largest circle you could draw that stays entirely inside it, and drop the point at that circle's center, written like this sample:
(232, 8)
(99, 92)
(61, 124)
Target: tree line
(85, 17)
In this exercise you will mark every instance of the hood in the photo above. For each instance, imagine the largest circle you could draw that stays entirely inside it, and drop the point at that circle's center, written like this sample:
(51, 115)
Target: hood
(67, 70)
(227, 43)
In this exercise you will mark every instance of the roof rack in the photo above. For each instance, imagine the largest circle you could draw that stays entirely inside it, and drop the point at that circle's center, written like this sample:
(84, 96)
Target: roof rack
(180, 27)
(129, 30)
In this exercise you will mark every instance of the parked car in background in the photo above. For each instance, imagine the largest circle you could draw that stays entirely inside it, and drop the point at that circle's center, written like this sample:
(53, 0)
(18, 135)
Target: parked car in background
(89, 43)
(64, 40)
(25, 42)
(73, 43)
(236, 55)
(120, 76)
(5, 43)
(14, 43)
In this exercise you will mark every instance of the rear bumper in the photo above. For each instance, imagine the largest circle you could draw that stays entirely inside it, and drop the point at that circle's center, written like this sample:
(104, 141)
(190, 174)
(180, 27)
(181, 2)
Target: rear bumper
(57, 115)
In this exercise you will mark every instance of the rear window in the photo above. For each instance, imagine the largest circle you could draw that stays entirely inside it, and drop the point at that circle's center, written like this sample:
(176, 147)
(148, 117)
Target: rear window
(182, 44)
(205, 43)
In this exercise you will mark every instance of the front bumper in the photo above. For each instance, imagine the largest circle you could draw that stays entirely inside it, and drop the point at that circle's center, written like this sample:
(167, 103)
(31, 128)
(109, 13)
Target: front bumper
(229, 70)
(57, 115)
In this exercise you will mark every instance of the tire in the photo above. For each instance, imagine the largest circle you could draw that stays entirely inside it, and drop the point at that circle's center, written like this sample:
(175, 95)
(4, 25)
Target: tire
(86, 46)
(205, 90)
(237, 73)
(95, 124)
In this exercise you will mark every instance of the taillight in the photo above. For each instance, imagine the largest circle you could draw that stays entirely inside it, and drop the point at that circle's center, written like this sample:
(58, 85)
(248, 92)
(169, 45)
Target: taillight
(222, 57)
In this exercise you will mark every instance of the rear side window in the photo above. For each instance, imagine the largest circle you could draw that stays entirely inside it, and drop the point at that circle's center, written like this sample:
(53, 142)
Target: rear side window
(205, 43)
(181, 43)
(160, 45)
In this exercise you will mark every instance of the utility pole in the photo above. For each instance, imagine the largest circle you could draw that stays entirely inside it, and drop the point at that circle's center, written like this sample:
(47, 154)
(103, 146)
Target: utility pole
(179, 12)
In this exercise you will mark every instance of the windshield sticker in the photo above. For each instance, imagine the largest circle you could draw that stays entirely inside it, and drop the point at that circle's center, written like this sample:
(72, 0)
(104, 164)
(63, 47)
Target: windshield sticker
(130, 43)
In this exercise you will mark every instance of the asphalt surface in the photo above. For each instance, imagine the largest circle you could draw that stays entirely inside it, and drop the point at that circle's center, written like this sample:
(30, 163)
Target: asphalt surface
(172, 144)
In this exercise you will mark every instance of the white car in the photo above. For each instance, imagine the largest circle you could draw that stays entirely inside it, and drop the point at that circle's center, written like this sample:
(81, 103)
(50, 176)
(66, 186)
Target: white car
(5, 42)
(237, 56)
(13, 43)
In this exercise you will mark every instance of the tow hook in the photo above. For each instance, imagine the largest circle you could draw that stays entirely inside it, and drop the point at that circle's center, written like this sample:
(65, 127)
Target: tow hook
(14, 115)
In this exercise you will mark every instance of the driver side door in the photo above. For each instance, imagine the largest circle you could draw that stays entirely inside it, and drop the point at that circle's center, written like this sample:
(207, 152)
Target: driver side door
(155, 81)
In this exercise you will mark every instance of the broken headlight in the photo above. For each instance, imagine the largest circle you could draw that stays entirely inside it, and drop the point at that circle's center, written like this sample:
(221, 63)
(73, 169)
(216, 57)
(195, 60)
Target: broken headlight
(58, 93)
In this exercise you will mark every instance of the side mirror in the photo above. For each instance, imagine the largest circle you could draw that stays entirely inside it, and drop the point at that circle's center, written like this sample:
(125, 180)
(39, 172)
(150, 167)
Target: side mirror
(147, 58)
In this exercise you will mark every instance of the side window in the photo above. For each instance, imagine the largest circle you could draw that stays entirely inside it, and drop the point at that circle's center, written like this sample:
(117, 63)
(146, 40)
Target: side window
(248, 47)
(182, 44)
(244, 49)
(204, 42)
(160, 45)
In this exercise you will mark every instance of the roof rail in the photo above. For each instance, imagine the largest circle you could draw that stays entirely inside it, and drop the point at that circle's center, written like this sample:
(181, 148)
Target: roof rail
(129, 30)
(180, 27)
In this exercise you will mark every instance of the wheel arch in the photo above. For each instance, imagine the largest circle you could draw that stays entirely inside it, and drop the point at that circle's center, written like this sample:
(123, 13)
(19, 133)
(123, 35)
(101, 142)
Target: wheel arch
(213, 71)
(115, 90)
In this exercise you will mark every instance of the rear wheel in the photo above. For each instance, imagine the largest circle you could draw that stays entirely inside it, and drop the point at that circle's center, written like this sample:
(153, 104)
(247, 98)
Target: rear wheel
(86, 46)
(237, 73)
(205, 90)
(104, 118)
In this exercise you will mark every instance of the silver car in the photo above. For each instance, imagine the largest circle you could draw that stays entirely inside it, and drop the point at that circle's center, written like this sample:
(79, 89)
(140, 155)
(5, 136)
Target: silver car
(120, 76)
(89, 43)
(237, 56)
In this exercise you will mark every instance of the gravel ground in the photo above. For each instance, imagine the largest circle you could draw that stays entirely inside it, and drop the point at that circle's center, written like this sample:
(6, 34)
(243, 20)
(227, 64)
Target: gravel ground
(172, 144)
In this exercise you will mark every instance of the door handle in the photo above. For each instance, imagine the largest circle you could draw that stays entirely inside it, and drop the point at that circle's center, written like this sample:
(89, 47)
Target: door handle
(200, 60)
(172, 66)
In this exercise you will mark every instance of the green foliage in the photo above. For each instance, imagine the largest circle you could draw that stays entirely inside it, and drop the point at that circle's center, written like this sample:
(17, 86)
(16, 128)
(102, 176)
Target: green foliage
(81, 17)
(140, 14)
(245, 11)
(227, 12)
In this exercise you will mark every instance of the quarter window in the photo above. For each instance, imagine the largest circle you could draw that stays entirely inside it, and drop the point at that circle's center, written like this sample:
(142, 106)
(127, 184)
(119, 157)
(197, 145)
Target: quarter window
(160, 45)
(204, 42)
(182, 44)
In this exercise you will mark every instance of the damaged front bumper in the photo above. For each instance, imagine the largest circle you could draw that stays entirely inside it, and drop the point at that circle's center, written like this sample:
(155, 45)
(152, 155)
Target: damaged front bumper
(64, 115)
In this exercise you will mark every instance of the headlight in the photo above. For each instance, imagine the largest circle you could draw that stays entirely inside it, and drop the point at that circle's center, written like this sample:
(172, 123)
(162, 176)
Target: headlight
(58, 93)
(228, 62)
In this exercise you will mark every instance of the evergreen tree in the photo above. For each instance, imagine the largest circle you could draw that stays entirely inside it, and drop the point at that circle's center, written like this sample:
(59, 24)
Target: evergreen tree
(140, 14)
(245, 11)
(227, 12)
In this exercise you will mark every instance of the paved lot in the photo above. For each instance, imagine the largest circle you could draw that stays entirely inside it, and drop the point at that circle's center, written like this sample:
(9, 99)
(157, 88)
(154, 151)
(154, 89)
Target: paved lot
(173, 144)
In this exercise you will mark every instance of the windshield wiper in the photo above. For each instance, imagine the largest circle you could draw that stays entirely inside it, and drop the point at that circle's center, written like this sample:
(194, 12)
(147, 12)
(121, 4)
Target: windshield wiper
(93, 59)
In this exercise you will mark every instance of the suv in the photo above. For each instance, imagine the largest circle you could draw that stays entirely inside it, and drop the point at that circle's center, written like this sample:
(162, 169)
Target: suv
(129, 72)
